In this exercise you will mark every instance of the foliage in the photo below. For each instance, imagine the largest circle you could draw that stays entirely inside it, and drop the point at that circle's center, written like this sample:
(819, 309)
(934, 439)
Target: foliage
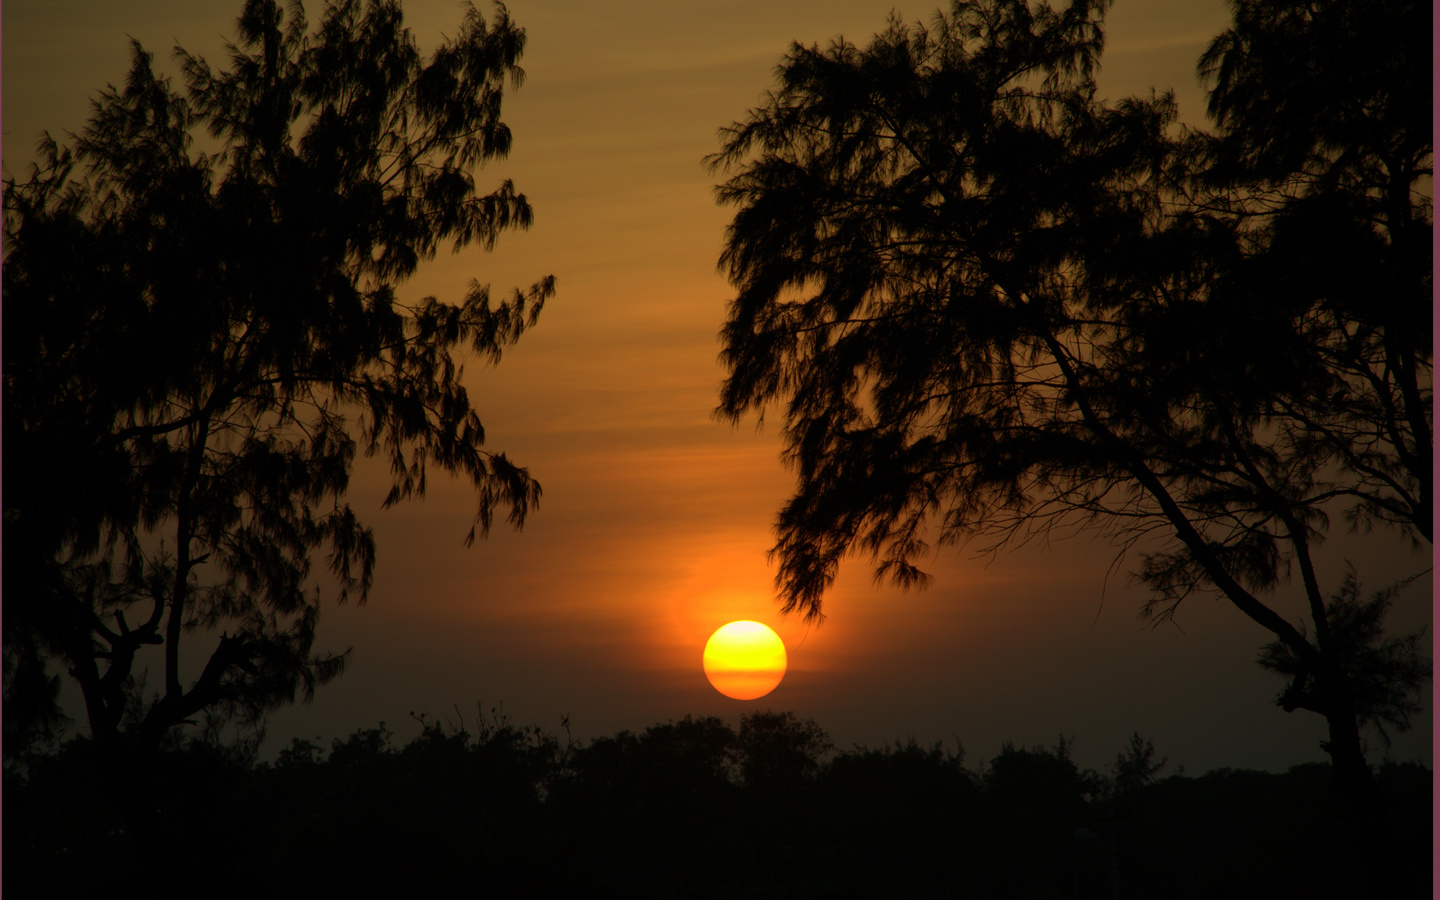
(452, 811)
(994, 307)
(906, 805)
(1136, 766)
(202, 330)
(1384, 674)
(1036, 796)
(364, 745)
(1326, 178)
(684, 760)
(778, 749)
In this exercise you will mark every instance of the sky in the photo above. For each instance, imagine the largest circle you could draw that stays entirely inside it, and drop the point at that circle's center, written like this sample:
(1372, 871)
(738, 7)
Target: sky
(656, 517)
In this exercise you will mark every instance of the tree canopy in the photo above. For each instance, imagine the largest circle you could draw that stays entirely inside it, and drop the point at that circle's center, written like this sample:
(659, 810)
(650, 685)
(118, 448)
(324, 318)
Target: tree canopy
(202, 328)
(669, 811)
(991, 305)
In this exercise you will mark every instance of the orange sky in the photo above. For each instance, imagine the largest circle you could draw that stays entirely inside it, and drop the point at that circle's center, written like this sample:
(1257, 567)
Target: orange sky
(656, 519)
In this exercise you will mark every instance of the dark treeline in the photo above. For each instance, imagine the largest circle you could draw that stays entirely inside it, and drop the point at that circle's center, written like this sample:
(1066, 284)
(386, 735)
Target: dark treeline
(694, 808)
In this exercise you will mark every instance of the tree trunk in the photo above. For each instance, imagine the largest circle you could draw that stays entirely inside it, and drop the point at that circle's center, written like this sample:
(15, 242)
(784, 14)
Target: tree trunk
(1353, 783)
(1370, 863)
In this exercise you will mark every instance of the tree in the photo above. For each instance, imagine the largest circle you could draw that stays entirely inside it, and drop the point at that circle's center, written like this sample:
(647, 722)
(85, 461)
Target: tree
(777, 753)
(1385, 674)
(1324, 177)
(994, 306)
(1136, 766)
(201, 330)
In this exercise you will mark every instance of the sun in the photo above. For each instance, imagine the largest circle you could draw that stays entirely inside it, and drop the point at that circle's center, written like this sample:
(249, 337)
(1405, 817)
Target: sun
(745, 660)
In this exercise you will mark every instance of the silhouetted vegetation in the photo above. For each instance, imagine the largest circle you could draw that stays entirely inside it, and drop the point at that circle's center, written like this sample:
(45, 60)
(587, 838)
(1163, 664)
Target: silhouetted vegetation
(202, 328)
(993, 307)
(696, 808)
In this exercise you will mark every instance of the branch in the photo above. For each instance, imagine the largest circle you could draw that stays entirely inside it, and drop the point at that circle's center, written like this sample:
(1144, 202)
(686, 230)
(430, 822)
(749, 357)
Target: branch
(1184, 529)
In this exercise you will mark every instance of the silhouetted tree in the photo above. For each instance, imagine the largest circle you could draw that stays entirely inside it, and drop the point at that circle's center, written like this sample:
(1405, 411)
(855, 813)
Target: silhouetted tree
(635, 807)
(902, 820)
(778, 751)
(1036, 800)
(201, 330)
(670, 766)
(1136, 766)
(1384, 674)
(452, 809)
(1325, 181)
(993, 306)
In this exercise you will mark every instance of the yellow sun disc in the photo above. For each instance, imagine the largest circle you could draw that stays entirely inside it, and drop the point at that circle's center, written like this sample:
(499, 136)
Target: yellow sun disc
(745, 660)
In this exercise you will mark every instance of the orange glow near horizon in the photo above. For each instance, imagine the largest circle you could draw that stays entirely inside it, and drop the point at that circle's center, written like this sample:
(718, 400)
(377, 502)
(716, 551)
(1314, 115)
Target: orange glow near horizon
(745, 660)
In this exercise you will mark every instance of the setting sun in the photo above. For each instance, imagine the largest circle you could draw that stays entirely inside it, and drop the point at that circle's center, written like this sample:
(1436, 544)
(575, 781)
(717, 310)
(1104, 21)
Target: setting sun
(745, 660)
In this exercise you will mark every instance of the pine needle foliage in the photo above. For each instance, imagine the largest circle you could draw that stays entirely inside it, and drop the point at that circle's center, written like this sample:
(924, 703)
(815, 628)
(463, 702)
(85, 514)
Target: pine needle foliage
(203, 327)
(993, 307)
